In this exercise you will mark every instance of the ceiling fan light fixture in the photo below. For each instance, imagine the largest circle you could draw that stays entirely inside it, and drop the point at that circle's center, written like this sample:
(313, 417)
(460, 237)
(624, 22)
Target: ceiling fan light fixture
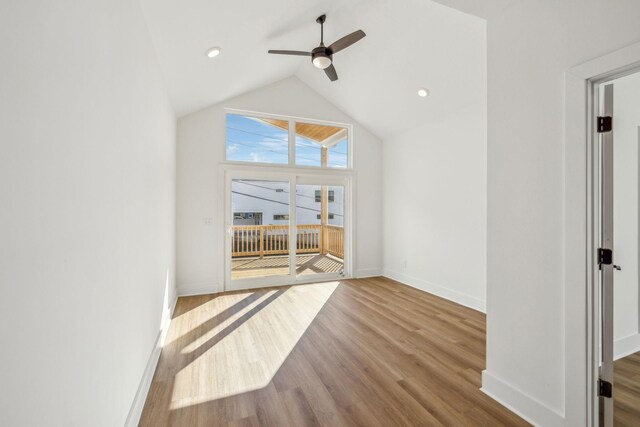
(321, 62)
(213, 52)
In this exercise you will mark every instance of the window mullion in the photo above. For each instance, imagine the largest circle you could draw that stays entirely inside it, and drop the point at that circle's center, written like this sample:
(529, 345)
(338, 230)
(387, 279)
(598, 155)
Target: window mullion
(292, 142)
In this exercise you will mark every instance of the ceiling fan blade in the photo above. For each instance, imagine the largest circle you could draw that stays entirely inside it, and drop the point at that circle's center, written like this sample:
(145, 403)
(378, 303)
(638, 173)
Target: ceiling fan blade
(346, 41)
(331, 73)
(290, 52)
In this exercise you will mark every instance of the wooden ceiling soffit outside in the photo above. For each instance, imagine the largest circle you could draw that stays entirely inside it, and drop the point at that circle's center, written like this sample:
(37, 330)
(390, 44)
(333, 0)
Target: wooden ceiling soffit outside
(316, 133)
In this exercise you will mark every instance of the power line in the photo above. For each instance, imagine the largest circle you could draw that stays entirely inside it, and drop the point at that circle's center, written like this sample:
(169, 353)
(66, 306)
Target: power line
(278, 152)
(282, 203)
(263, 149)
(260, 134)
(272, 151)
(314, 146)
(273, 189)
(240, 181)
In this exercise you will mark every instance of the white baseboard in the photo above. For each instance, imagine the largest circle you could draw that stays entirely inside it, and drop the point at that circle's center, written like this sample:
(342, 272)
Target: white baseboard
(190, 289)
(439, 290)
(193, 289)
(368, 272)
(520, 403)
(133, 419)
(626, 346)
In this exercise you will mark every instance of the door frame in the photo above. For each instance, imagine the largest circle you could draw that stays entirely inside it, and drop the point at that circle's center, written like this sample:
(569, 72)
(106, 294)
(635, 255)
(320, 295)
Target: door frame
(603, 288)
(293, 176)
(580, 237)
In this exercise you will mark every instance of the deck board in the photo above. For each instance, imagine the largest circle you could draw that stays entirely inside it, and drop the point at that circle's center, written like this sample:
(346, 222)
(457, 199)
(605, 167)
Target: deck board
(250, 267)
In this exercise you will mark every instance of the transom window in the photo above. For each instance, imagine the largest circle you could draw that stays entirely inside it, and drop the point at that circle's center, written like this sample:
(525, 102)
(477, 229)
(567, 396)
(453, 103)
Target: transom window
(256, 139)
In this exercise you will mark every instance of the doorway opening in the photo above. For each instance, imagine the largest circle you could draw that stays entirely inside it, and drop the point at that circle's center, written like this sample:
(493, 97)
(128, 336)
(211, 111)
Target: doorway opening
(618, 129)
(588, 299)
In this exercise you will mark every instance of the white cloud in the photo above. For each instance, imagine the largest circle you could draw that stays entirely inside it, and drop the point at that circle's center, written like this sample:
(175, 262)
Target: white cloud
(257, 157)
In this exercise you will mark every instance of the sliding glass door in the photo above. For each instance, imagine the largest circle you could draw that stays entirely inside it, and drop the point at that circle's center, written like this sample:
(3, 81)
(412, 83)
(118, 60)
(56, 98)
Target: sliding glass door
(269, 243)
(320, 230)
(260, 228)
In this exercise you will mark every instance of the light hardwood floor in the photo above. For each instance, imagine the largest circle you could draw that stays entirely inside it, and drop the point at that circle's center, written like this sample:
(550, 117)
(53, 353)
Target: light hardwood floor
(366, 352)
(626, 391)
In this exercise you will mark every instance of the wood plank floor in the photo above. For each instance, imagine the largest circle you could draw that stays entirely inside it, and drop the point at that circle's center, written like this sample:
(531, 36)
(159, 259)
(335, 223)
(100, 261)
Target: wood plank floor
(626, 391)
(366, 352)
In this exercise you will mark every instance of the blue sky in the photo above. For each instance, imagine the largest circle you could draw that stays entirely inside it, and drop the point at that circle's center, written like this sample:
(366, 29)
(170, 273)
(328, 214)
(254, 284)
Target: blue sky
(255, 141)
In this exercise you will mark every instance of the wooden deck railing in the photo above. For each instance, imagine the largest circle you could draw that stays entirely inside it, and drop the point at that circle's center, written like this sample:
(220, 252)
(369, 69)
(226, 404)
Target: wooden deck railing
(262, 240)
(334, 240)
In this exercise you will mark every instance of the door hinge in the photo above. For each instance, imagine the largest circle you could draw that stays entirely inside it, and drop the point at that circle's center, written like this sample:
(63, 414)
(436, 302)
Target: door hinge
(605, 388)
(605, 124)
(605, 257)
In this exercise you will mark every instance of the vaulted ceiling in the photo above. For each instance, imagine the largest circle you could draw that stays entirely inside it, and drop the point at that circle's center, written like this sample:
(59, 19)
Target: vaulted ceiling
(409, 44)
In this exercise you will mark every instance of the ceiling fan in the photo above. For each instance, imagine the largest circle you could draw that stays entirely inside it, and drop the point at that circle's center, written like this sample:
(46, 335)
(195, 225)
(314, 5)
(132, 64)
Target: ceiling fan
(322, 56)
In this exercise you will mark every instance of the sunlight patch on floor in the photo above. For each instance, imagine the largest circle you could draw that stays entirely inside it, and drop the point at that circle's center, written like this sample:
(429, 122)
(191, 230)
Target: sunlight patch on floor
(206, 313)
(245, 349)
(227, 322)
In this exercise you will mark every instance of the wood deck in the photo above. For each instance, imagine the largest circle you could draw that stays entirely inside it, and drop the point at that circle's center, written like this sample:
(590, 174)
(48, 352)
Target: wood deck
(244, 268)
(366, 352)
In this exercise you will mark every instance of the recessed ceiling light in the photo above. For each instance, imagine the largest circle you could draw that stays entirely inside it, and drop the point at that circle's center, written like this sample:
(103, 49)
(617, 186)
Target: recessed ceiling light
(213, 52)
(423, 92)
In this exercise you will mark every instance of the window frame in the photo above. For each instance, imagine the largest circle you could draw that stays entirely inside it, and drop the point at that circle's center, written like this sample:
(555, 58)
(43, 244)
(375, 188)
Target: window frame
(295, 177)
(292, 120)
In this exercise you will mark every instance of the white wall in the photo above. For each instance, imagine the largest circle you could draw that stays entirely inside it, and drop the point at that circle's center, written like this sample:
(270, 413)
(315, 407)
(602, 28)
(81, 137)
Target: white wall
(200, 189)
(626, 111)
(87, 218)
(435, 203)
(531, 43)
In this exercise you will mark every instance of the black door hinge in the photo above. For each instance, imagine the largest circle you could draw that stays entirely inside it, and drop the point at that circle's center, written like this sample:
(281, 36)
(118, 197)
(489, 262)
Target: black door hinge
(605, 257)
(605, 389)
(605, 124)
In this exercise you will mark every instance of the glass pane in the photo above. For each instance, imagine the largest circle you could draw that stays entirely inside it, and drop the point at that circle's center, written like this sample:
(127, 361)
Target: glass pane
(320, 247)
(251, 139)
(260, 242)
(321, 145)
